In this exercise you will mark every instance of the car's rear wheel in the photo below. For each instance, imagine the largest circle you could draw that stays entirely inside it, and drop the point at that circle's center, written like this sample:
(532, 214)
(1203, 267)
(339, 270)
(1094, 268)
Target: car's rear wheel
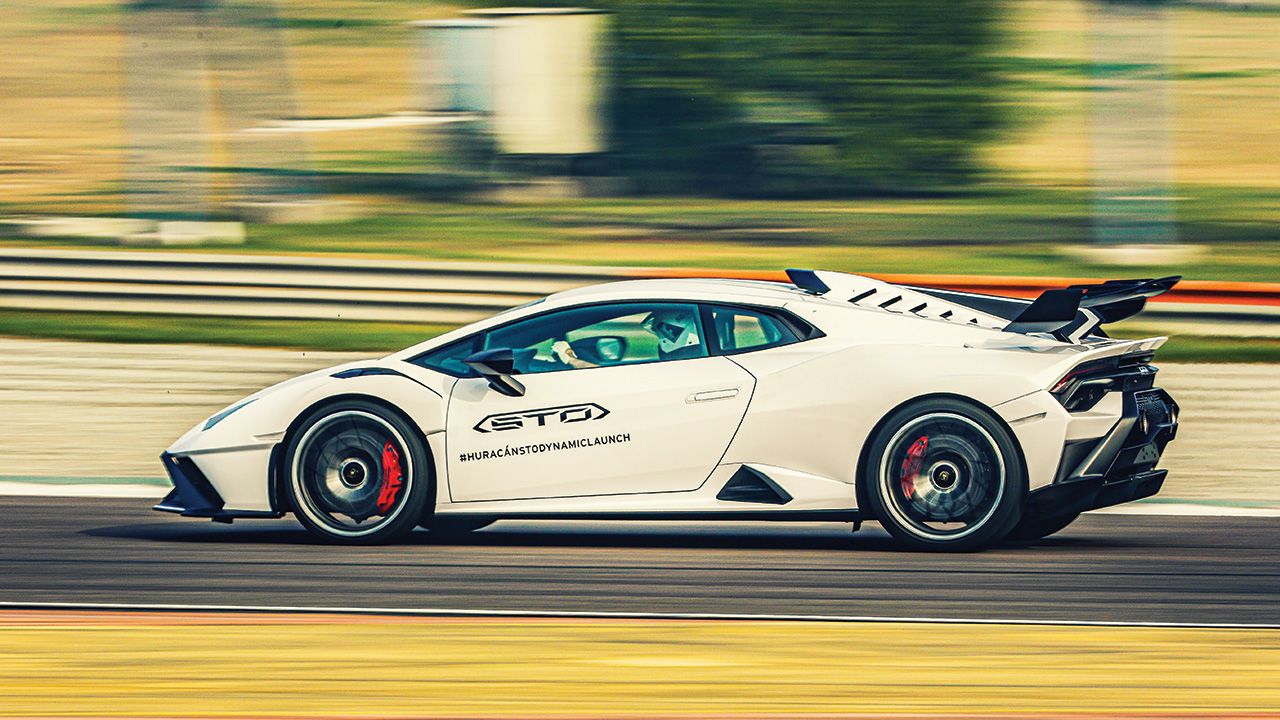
(944, 474)
(358, 473)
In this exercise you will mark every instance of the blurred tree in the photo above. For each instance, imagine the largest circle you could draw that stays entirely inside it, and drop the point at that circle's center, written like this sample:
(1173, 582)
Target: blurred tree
(802, 97)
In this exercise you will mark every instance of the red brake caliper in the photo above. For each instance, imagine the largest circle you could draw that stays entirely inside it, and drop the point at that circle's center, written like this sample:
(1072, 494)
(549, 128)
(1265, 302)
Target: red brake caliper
(391, 479)
(911, 465)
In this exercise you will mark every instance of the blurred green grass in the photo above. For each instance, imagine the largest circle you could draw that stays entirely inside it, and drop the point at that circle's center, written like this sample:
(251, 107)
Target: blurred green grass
(1211, 349)
(1011, 233)
(381, 337)
(338, 335)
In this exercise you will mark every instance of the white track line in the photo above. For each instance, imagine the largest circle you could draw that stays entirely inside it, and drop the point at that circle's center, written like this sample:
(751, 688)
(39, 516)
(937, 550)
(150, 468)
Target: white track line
(607, 615)
(83, 490)
(1188, 509)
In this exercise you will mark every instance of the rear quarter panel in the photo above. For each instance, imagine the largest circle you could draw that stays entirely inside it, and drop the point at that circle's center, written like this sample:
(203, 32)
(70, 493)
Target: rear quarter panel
(815, 405)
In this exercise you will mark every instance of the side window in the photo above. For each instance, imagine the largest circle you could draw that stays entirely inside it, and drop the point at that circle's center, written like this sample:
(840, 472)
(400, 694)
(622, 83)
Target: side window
(742, 329)
(603, 335)
(448, 359)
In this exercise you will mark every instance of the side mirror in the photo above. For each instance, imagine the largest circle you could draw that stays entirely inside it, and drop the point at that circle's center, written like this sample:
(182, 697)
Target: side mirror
(497, 365)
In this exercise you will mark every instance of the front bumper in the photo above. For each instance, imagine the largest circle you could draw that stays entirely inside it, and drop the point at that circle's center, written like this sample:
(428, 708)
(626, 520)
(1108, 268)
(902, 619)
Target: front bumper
(194, 496)
(1117, 468)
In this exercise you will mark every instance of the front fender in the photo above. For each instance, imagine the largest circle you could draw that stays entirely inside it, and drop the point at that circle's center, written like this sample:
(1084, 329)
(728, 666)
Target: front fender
(235, 453)
(265, 416)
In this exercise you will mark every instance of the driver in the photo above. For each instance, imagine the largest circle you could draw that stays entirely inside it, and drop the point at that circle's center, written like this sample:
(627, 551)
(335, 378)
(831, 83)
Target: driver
(564, 352)
(676, 330)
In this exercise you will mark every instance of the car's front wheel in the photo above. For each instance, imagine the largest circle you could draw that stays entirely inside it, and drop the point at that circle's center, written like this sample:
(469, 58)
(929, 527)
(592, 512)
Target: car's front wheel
(358, 473)
(944, 474)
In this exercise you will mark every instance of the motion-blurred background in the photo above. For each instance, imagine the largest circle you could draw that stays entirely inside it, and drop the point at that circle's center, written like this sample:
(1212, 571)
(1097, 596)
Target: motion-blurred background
(347, 175)
(1058, 138)
(199, 198)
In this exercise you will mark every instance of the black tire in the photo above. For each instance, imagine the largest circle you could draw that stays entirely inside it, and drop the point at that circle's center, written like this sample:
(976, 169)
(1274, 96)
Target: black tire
(944, 474)
(1036, 527)
(455, 527)
(341, 468)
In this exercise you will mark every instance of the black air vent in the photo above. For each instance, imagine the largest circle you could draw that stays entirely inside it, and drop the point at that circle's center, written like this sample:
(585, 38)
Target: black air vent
(362, 371)
(752, 486)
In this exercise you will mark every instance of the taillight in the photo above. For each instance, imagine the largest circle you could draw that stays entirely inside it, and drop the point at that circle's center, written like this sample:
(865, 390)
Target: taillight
(1086, 384)
(1067, 380)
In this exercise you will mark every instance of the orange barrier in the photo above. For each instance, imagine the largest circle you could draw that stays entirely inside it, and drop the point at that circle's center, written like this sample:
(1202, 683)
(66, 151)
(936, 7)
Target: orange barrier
(1187, 291)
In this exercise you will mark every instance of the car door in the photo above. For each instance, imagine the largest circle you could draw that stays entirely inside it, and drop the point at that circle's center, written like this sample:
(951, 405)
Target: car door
(618, 415)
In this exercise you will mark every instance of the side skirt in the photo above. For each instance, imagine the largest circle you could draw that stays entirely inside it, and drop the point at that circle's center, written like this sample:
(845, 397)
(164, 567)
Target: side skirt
(844, 516)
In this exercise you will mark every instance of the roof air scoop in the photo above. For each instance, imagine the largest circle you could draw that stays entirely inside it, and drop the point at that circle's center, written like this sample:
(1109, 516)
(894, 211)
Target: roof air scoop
(808, 281)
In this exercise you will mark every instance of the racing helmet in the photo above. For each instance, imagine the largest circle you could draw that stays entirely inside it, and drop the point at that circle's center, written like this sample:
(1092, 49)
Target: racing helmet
(675, 328)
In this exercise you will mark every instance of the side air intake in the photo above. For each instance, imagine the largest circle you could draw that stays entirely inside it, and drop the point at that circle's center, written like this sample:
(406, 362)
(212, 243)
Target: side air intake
(753, 486)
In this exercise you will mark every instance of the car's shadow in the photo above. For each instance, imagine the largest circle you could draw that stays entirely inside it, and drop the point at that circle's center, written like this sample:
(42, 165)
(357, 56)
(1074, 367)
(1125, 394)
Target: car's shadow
(574, 535)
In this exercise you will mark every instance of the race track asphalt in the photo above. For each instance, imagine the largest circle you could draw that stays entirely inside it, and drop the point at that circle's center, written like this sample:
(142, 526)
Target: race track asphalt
(1104, 568)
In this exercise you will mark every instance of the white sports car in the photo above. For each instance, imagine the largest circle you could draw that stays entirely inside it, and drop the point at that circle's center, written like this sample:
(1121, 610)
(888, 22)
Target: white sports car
(953, 419)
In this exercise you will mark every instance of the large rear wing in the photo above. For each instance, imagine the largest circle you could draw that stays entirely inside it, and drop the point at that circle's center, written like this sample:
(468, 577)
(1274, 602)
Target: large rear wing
(1079, 310)
(1069, 314)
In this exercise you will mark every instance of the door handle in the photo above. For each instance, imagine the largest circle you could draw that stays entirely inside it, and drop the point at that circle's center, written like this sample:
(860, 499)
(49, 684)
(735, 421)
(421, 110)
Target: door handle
(707, 395)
